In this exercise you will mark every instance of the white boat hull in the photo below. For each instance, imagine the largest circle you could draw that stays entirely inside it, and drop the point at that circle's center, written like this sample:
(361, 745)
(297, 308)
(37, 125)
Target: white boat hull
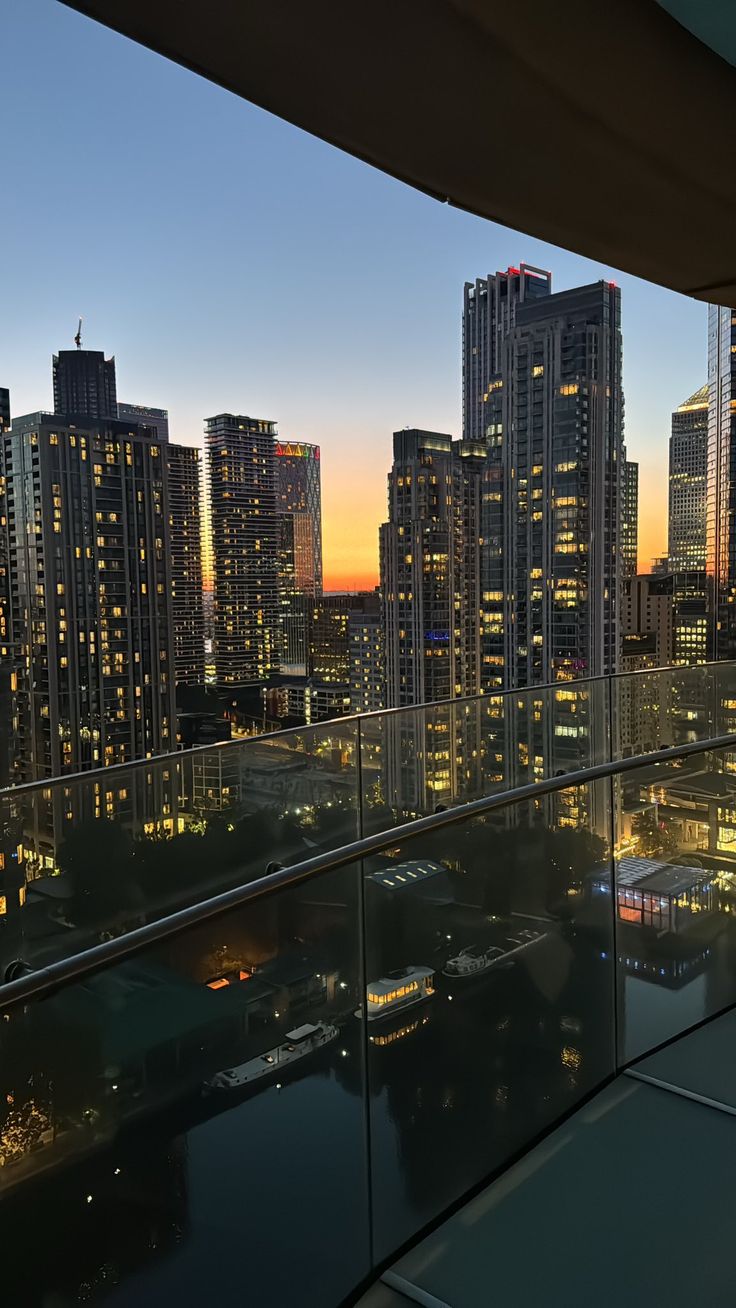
(278, 1060)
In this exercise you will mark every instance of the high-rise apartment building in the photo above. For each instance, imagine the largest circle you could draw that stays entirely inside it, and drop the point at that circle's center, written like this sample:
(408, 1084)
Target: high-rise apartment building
(687, 484)
(185, 533)
(430, 588)
(489, 309)
(367, 663)
(430, 568)
(7, 660)
(629, 519)
(84, 384)
(299, 505)
(329, 633)
(552, 492)
(244, 528)
(87, 542)
(720, 523)
(690, 618)
(688, 471)
(143, 415)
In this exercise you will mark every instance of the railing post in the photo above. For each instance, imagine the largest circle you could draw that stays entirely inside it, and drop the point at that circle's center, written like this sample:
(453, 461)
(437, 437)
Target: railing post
(359, 775)
(363, 991)
(612, 801)
(614, 924)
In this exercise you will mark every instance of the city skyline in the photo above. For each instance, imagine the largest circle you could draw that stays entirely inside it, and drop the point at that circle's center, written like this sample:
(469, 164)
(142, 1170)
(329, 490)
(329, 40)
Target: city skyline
(316, 222)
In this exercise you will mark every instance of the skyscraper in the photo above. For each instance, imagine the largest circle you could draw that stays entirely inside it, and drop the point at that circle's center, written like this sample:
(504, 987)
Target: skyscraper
(489, 310)
(185, 530)
(552, 492)
(720, 523)
(367, 665)
(629, 520)
(299, 505)
(7, 659)
(144, 415)
(430, 568)
(245, 547)
(84, 384)
(686, 528)
(687, 484)
(87, 542)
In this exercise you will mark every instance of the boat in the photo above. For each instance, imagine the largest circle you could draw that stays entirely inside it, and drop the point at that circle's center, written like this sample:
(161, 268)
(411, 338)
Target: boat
(301, 1041)
(476, 960)
(397, 990)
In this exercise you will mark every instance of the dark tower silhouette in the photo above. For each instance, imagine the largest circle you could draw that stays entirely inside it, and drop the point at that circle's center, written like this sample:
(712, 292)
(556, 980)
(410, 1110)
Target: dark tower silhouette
(84, 384)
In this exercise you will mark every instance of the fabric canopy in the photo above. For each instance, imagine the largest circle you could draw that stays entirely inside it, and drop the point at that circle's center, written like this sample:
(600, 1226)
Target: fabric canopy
(606, 128)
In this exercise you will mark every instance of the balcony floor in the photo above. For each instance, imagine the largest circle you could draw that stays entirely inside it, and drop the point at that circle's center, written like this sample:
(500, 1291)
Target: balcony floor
(629, 1202)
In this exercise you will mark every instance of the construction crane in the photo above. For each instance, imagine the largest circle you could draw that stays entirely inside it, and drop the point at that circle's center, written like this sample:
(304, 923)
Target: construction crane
(78, 337)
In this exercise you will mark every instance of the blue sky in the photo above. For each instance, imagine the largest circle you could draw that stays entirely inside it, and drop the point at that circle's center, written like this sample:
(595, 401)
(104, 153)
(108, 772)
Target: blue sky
(232, 262)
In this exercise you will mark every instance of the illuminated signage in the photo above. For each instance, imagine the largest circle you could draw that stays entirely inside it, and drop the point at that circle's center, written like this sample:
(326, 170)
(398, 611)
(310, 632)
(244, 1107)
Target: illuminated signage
(296, 450)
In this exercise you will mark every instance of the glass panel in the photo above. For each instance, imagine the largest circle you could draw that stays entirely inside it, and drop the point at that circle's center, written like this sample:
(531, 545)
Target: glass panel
(192, 1120)
(490, 995)
(672, 706)
(676, 896)
(103, 854)
(418, 760)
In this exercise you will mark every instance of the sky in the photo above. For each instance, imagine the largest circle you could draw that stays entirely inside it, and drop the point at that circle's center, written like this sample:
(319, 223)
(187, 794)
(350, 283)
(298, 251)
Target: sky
(233, 263)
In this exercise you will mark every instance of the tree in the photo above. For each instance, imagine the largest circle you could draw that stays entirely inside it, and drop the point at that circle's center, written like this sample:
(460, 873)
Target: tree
(653, 837)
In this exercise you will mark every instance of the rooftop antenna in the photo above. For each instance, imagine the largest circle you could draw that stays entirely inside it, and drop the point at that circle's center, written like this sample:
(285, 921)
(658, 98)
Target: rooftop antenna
(78, 337)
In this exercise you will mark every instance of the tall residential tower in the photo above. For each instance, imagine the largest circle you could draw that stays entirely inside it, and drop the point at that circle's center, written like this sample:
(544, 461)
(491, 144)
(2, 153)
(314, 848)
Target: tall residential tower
(430, 568)
(629, 520)
(185, 532)
(245, 547)
(489, 309)
(720, 523)
(552, 492)
(687, 484)
(84, 384)
(87, 541)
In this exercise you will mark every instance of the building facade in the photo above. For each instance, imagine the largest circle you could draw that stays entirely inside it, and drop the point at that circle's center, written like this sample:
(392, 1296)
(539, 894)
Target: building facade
(7, 652)
(86, 538)
(552, 493)
(643, 714)
(144, 416)
(84, 384)
(185, 533)
(629, 520)
(367, 662)
(720, 526)
(489, 309)
(299, 504)
(687, 484)
(430, 568)
(244, 527)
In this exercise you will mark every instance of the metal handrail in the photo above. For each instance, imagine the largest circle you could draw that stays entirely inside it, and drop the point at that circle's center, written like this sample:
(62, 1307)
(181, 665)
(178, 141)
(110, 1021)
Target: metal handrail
(54, 975)
(174, 756)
